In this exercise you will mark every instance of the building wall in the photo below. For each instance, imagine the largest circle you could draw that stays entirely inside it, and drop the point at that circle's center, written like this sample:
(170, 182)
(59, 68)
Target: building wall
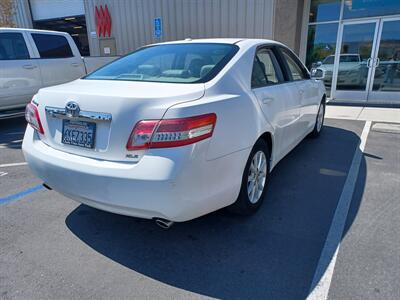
(132, 21)
(288, 22)
(22, 15)
(304, 30)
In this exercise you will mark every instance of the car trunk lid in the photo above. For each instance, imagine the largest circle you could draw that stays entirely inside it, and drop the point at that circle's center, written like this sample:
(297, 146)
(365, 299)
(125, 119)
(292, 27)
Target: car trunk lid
(111, 107)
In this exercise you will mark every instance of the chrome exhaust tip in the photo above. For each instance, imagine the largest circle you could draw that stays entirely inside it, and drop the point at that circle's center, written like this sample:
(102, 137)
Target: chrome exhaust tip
(164, 224)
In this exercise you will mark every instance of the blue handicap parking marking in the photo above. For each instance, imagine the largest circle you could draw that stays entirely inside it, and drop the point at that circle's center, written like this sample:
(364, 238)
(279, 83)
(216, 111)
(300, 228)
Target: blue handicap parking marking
(20, 195)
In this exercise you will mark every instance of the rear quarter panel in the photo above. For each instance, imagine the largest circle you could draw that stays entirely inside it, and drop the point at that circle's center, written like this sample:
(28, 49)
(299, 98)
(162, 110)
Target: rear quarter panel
(236, 128)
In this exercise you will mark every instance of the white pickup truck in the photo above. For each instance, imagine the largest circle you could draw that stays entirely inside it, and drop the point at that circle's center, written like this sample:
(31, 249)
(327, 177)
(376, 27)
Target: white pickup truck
(31, 59)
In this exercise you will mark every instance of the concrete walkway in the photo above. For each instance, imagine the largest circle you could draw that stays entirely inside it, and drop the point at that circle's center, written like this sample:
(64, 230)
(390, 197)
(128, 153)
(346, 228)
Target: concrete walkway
(375, 114)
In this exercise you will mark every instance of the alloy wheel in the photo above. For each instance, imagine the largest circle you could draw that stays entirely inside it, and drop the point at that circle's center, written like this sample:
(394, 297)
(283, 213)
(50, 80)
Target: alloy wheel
(320, 117)
(257, 177)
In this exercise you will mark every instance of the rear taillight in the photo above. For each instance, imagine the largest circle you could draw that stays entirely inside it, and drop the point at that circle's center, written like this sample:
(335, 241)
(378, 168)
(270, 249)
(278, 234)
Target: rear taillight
(171, 132)
(32, 117)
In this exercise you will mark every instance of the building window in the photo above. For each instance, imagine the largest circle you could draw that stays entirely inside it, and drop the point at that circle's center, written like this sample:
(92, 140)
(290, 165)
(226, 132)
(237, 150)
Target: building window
(321, 42)
(363, 8)
(324, 10)
(321, 47)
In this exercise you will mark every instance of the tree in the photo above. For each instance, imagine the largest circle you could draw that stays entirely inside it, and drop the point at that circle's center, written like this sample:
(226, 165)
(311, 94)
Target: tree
(7, 11)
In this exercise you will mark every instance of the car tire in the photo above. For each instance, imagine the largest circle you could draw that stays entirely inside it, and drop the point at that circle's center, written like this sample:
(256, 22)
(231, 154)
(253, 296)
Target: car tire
(251, 193)
(319, 120)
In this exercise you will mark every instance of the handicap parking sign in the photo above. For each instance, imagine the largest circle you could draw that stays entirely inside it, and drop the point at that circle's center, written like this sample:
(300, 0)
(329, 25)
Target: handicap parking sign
(157, 27)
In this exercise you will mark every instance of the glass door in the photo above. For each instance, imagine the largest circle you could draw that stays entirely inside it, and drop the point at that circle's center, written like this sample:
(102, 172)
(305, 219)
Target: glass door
(354, 60)
(385, 84)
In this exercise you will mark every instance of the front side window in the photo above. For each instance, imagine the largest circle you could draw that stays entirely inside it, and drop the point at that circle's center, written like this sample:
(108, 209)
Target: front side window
(173, 63)
(296, 71)
(12, 46)
(52, 46)
(265, 69)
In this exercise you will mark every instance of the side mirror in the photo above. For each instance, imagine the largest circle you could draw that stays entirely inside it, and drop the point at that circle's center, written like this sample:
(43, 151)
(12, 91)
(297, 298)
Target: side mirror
(317, 74)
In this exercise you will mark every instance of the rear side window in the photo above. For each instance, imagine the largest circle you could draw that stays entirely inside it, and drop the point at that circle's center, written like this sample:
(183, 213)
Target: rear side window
(349, 58)
(296, 71)
(265, 69)
(52, 46)
(173, 63)
(12, 46)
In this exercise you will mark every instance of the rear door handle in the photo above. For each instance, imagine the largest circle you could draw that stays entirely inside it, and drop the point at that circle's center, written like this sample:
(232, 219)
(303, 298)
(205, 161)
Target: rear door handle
(75, 64)
(29, 67)
(267, 100)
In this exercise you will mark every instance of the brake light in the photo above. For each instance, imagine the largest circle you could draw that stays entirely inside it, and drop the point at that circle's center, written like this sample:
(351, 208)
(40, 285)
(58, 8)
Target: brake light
(32, 117)
(171, 132)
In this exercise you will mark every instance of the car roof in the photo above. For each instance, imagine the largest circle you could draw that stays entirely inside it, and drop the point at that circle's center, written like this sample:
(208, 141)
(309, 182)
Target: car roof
(236, 41)
(31, 30)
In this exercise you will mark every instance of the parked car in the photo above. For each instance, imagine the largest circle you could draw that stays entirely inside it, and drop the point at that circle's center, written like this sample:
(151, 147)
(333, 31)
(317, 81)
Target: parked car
(175, 130)
(353, 71)
(32, 59)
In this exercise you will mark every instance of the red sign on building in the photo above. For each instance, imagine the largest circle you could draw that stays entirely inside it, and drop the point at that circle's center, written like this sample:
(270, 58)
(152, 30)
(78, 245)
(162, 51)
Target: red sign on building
(103, 21)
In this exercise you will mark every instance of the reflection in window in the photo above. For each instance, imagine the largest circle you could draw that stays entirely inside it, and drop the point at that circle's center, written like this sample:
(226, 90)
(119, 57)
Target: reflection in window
(355, 52)
(387, 73)
(324, 10)
(321, 48)
(363, 8)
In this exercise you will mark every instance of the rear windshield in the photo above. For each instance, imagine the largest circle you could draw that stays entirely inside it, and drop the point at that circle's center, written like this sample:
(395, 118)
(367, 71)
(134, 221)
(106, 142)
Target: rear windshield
(174, 63)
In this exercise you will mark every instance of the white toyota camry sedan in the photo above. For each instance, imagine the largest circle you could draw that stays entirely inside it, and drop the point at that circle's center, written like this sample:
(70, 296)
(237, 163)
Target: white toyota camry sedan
(175, 130)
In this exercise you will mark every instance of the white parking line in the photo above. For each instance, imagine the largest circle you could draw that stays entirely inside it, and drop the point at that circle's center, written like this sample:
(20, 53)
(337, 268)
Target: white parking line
(11, 145)
(326, 264)
(13, 165)
(12, 142)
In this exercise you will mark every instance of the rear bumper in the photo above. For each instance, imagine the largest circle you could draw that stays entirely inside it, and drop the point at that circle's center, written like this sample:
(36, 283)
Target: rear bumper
(177, 184)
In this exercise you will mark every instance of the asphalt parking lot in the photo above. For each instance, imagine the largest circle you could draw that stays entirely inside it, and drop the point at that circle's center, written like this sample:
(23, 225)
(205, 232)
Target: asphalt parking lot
(53, 247)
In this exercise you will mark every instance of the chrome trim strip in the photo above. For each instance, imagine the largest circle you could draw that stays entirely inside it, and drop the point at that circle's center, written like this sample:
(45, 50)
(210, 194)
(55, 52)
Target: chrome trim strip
(57, 112)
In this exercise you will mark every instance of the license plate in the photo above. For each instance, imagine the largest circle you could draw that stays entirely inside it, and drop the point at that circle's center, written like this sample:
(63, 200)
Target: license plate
(78, 133)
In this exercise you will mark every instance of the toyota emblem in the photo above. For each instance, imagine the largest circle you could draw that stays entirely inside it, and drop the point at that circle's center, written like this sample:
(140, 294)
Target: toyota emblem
(72, 109)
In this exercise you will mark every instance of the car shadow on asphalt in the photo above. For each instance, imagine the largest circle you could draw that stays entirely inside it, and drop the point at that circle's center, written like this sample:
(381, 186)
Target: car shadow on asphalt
(11, 132)
(272, 254)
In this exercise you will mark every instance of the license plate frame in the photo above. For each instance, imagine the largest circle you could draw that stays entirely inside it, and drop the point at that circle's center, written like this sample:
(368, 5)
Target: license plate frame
(81, 133)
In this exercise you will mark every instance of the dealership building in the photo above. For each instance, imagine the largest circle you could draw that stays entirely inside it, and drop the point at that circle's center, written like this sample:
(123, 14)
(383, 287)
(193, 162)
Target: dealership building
(353, 45)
